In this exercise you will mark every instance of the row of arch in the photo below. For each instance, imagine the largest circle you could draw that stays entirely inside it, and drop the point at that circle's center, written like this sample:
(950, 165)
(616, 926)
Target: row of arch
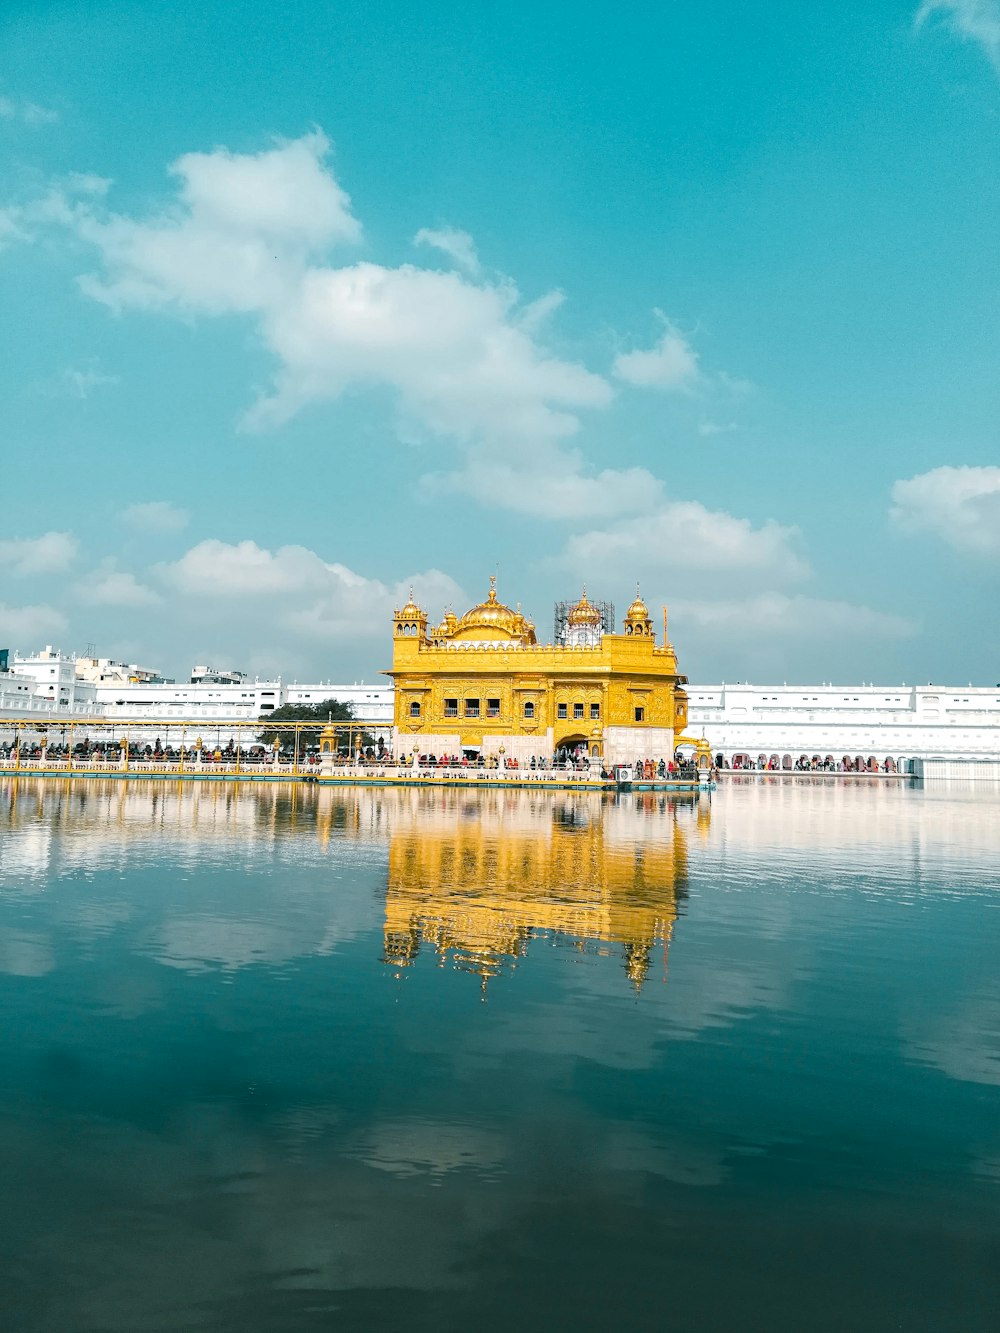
(786, 763)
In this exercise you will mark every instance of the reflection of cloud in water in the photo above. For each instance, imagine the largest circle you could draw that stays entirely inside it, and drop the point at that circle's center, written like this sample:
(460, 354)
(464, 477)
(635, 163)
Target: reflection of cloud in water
(127, 997)
(25, 855)
(25, 955)
(199, 943)
(412, 1147)
(718, 997)
(964, 1044)
(122, 1253)
(684, 1162)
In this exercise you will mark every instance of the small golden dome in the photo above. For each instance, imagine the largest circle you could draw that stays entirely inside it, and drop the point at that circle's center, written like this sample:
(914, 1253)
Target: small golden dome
(410, 611)
(584, 613)
(638, 610)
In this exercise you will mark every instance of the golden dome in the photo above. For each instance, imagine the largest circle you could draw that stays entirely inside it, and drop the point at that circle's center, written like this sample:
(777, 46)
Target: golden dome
(410, 611)
(638, 610)
(584, 613)
(493, 615)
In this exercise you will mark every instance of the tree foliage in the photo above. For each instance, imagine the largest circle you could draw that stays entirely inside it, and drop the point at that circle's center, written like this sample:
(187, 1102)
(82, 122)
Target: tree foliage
(315, 714)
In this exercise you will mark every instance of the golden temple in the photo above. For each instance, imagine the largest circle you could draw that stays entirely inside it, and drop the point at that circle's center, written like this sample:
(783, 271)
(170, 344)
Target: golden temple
(482, 684)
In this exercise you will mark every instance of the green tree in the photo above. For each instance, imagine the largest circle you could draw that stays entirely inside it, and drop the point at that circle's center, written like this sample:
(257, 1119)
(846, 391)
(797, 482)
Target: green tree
(317, 715)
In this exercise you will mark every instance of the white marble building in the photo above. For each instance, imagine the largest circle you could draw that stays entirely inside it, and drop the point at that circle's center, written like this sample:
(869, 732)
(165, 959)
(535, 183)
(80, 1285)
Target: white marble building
(881, 720)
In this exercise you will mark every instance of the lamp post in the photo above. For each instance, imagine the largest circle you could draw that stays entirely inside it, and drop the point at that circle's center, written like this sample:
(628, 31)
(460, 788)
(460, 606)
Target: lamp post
(502, 752)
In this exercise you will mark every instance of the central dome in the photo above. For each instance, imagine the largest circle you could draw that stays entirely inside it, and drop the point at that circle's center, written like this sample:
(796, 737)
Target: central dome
(492, 619)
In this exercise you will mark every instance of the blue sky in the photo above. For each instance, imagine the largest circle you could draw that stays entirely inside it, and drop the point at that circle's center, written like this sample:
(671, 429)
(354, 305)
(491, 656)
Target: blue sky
(304, 303)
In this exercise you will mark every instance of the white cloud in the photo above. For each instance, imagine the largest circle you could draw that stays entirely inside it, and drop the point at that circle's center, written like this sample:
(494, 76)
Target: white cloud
(685, 535)
(108, 586)
(23, 626)
(707, 428)
(28, 113)
(959, 505)
(156, 516)
(457, 245)
(51, 553)
(247, 233)
(304, 594)
(240, 234)
(671, 364)
(452, 350)
(974, 20)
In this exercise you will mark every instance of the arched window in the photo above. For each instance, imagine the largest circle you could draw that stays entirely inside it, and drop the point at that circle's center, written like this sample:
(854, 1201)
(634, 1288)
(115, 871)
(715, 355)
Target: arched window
(414, 709)
(529, 710)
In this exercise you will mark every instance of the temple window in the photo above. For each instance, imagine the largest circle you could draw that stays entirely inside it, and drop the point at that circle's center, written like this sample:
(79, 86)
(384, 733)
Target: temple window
(414, 709)
(595, 712)
(640, 715)
(472, 708)
(561, 710)
(451, 708)
(578, 710)
(492, 707)
(529, 710)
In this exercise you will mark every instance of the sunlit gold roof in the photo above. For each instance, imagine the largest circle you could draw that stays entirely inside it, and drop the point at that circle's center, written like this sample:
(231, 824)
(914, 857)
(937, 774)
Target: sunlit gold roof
(410, 611)
(496, 618)
(584, 613)
(638, 610)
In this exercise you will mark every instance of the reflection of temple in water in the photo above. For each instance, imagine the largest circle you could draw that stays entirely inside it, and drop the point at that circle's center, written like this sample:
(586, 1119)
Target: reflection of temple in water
(476, 879)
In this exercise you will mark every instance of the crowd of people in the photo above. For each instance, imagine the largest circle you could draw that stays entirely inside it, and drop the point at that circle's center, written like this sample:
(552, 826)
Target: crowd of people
(376, 755)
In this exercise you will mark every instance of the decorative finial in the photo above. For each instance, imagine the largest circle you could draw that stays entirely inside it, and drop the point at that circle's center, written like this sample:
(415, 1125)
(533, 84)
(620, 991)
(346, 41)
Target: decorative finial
(411, 592)
(493, 587)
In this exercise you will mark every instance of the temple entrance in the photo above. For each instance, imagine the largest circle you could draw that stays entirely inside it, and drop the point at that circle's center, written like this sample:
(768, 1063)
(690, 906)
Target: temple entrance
(573, 747)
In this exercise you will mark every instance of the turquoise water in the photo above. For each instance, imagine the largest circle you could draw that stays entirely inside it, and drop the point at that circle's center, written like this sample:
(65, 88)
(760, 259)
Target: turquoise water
(276, 1059)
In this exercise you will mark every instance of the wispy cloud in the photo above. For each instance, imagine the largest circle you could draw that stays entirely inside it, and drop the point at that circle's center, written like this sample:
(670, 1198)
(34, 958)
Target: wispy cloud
(28, 113)
(456, 244)
(708, 428)
(974, 20)
(156, 516)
